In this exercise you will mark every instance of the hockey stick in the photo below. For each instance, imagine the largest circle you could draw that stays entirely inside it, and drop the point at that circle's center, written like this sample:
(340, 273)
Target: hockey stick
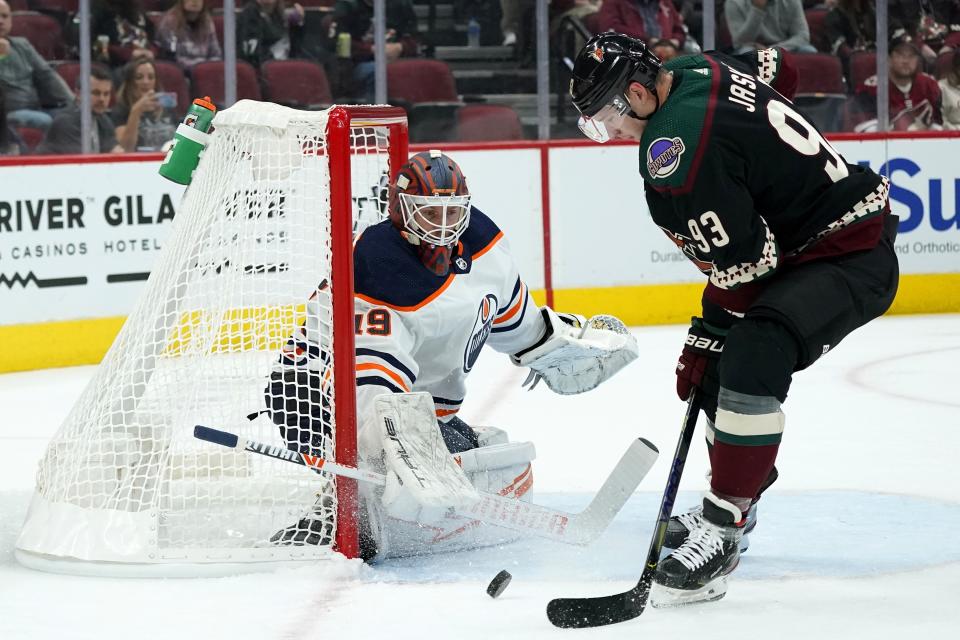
(510, 513)
(577, 613)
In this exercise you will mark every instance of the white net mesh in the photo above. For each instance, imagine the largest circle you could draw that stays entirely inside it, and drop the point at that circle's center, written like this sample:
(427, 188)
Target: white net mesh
(124, 480)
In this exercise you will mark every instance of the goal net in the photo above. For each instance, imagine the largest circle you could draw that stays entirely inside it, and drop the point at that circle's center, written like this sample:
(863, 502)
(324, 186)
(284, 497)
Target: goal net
(261, 246)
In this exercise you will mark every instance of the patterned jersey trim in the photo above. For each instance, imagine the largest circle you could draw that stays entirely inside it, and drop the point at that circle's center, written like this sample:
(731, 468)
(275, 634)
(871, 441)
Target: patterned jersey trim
(740, 274)
(874, 203)
(768, 62)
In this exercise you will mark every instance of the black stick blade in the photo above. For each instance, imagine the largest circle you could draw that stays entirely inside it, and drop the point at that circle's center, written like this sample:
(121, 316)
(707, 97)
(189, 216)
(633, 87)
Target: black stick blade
(580, 613)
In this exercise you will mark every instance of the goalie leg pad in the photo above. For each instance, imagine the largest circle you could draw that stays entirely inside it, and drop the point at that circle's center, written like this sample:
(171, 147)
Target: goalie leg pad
(503, 468)
(423, 480)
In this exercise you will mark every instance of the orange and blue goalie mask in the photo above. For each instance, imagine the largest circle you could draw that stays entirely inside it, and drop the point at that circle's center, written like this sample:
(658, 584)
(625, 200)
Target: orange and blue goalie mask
(431, 207)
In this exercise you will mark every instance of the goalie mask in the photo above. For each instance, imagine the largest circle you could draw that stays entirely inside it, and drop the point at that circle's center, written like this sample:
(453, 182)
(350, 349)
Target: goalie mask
(603, 70)
(430, 206)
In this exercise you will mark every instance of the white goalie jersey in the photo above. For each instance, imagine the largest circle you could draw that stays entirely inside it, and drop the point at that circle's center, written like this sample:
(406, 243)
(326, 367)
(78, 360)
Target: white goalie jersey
(416, 331)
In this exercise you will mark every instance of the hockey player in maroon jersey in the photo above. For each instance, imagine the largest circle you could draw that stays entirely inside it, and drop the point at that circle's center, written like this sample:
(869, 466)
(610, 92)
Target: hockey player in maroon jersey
(433, 284)
(796, 244)
(915, 99)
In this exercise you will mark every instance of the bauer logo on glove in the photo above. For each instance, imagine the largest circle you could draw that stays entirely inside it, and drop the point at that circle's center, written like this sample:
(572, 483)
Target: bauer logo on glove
(576, 354)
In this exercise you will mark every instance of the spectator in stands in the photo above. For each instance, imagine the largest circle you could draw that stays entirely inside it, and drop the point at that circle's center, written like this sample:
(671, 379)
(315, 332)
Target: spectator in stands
(915, 100)
(851, 26)
(27, 79)
(143, 123)
(511, 17)
(950, 90)
(64, 135)
(186, 34)
(269, 30)
(934, 24)
(355, 17)
(664, 49)
(757, 24)
(121, 31)
(645, 19)
(10, 142)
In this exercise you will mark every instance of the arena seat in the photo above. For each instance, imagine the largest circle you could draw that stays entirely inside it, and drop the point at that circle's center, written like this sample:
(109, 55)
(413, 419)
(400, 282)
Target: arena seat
(817, 22)
(208, 81)
(821, 91)
(171, 78)
(863, 64)
(416, 80)
(427, 90)
(69, 71)
(31, 137)
(296, 83)
(41, 30)
(484, 122)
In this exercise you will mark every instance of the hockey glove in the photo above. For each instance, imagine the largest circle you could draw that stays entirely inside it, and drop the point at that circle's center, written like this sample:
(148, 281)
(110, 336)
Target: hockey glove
(297, 404)
(699, 359)
(575, 355)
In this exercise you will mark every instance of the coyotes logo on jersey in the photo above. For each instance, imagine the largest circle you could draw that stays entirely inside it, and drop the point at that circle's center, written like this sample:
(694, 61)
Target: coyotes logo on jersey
(687, 246)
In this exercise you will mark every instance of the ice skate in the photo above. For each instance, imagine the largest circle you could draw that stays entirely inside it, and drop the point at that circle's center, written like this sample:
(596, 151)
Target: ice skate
(680, 526)
(696, 571)
(315, 528)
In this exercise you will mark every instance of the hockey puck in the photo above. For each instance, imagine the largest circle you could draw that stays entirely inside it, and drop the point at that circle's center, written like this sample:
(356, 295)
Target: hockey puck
(499, 583)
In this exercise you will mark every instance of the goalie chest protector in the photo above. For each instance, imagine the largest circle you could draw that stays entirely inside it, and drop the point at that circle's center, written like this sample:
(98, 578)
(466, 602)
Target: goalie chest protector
(416, 331)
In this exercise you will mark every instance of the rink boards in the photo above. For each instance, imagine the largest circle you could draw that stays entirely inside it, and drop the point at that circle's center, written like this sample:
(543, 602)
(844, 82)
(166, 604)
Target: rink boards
(78, 236)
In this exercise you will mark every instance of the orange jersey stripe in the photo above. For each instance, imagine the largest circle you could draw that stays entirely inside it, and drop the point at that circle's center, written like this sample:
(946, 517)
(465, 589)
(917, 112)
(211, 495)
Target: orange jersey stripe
(446, 412)
(515, 308)
(379, 367)
(420, 305)
(489, 246)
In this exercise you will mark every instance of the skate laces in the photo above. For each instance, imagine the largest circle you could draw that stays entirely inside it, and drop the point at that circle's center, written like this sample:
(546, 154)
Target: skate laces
(691, 519)
(704, 542)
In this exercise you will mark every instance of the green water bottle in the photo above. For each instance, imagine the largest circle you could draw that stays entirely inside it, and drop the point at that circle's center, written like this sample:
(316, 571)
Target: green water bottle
(189, 142)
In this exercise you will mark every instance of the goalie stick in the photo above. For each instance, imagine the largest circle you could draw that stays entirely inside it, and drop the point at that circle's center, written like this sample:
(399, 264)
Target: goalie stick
(510, 513)
(577, 613)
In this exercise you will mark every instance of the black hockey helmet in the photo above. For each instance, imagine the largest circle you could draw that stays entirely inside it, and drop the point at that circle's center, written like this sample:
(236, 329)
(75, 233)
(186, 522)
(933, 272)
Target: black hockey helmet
(604, 68)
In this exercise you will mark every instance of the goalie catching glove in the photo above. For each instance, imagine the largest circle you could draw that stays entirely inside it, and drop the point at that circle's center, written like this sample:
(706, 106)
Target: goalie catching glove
(575, 354)
(424, 482)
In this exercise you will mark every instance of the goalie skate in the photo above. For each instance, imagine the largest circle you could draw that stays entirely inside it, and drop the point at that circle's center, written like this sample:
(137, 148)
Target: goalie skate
(314, 528)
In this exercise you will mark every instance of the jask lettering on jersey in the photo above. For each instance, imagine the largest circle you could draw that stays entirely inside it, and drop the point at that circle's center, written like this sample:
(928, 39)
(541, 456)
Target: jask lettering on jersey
(743, 90)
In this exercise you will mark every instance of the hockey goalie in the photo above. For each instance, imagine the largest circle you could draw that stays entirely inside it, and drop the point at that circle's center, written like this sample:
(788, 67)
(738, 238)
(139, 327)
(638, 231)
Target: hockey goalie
(434, 283)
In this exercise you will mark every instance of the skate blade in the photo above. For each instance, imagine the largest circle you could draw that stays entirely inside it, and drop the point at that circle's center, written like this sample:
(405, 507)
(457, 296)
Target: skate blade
(662, 597)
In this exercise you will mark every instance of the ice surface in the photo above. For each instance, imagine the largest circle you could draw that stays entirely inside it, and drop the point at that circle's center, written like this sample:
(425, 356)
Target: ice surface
(860, 537)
